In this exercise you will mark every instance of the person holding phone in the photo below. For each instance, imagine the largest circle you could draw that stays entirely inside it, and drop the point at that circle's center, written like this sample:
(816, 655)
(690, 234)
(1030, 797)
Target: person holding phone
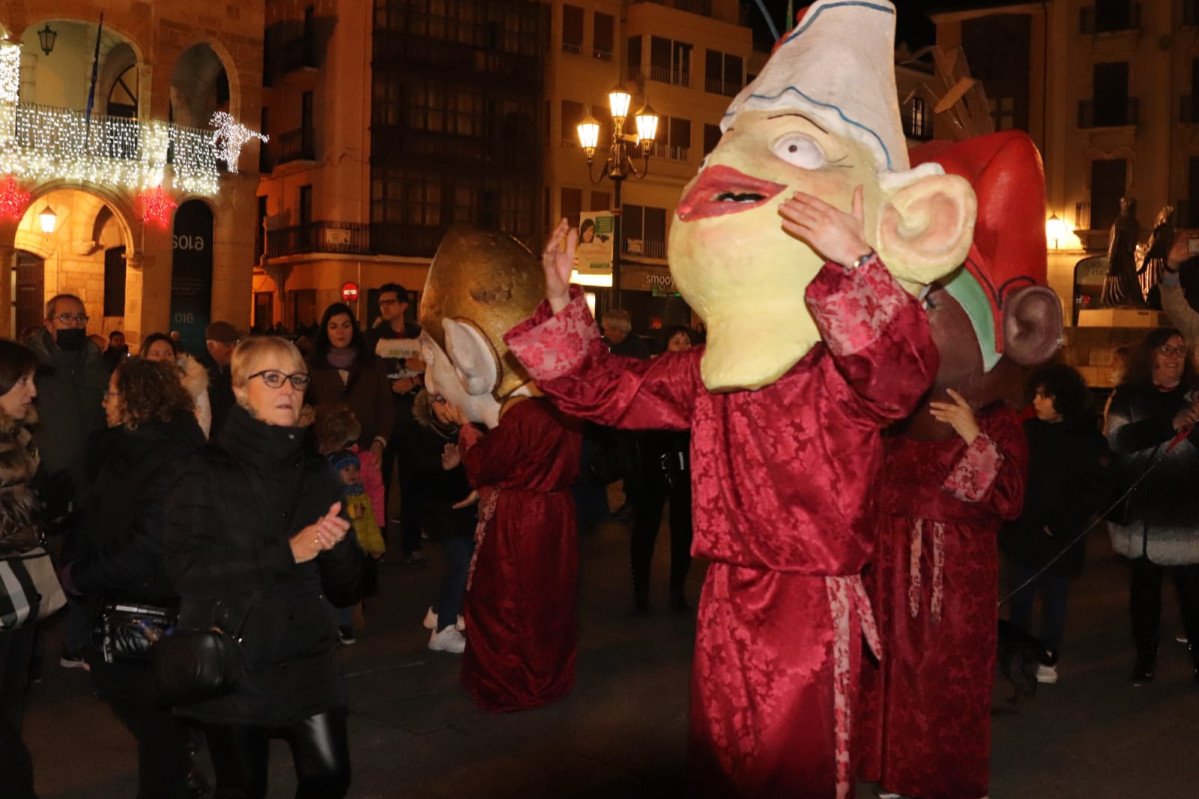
(1174, 302)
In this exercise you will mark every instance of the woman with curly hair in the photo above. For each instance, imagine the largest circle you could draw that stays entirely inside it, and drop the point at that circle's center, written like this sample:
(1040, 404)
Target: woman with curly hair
(160, 347)
(1067, 486)
(151, 429)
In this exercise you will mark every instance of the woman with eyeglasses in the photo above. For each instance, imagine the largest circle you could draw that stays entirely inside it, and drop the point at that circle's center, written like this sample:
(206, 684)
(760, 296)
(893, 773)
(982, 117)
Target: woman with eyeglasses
(256, 541)
(1151, 432)
(151, 429)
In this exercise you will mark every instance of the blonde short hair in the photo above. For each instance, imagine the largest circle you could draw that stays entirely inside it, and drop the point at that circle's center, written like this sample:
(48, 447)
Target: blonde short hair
(254, 350)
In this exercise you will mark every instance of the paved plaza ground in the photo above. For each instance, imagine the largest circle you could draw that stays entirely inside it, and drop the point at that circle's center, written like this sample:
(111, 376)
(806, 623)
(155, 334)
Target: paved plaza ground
(621, 733)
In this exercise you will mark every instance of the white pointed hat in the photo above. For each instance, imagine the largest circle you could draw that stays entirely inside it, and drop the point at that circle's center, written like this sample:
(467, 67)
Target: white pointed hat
(837, 66)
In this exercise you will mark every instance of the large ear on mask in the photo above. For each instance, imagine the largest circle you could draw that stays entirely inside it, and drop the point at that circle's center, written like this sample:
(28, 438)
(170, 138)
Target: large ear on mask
(473, 358)
(1032, 325)
(926, 228)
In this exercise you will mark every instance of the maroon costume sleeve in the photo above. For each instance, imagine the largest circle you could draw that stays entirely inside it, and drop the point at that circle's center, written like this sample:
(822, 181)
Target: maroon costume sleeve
(993, 469)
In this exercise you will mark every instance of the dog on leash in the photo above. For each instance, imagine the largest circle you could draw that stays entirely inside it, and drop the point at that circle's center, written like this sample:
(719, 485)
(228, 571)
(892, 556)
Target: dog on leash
(1019, 656)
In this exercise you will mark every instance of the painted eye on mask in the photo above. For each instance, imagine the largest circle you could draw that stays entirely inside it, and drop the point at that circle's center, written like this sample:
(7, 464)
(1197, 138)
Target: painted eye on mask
(798, 150)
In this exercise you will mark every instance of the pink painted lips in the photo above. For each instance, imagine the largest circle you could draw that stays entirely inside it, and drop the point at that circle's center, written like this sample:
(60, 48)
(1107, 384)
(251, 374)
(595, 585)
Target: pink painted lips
(723, 190)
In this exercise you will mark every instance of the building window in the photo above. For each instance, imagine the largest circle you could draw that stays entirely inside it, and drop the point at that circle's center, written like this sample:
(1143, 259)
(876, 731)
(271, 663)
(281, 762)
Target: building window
(572, 115)
(633, 56)
(571, 204)
(1111, 105)
(643, 229)
(1109, 180)
(711, 137)
(572, 29)
(604, 36)
(674, 139)
(404, 197)
(670, 61)
(722, 73)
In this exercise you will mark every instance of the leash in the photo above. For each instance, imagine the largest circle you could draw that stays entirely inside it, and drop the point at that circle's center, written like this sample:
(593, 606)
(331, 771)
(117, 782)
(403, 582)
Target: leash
(1157, 459)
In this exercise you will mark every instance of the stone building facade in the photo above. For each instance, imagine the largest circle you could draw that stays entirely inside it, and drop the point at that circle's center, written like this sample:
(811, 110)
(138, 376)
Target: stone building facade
(112, 126)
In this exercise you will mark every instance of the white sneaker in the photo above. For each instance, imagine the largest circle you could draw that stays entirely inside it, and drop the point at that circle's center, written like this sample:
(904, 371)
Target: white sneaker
(430, 621)
(1046, 674)
(448, 640)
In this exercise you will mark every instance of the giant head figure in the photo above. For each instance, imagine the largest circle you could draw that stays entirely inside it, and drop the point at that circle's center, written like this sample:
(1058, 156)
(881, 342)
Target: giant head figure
(822, 118)
(479, 285)
(995, 315)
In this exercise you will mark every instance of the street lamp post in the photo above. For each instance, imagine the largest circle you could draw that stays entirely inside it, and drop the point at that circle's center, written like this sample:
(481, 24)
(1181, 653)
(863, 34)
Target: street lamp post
(619, 165)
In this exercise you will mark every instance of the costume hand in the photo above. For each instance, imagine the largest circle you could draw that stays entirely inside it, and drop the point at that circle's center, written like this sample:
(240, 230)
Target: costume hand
(1180, 251)
(323, 534)
(558, 263)
(377, 453)
(958, 414)
(450, 457)
(1187, 417)
(471, 499)
(455, 414)
(835, 235)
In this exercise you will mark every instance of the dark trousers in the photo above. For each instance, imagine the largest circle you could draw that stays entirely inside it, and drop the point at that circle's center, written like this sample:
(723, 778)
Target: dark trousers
(16, 767)
(1054, 591)
(1145, 602)
(399, 448)
(448, 602)
(163, 753)
(647, 502)
(319, 747)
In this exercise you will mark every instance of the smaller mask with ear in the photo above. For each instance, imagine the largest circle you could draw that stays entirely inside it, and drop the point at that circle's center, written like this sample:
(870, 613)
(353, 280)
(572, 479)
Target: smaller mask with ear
(480, 284)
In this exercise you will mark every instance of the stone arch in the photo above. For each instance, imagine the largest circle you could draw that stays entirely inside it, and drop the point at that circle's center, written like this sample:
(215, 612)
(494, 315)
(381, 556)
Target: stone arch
(77, 37)
(200, 85)
(117, 203)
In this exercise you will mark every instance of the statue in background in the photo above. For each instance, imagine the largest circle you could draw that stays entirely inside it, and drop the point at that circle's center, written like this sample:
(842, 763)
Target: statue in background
(1160, 242)
(1120, 287)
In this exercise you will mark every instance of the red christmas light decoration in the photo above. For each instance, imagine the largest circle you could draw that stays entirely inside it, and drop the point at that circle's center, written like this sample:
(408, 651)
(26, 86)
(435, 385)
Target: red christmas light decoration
(157, 206)
(13, 201)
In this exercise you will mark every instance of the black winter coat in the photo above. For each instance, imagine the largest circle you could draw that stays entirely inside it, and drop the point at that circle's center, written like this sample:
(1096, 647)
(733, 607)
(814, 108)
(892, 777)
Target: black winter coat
(232, 515)
(1068, 484)
(123, 544)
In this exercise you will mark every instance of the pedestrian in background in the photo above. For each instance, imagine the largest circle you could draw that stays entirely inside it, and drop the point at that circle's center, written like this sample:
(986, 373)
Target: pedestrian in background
(1151, 425)
(1067, 487)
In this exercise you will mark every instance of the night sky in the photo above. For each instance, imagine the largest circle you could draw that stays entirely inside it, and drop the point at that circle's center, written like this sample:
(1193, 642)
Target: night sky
(912, 26)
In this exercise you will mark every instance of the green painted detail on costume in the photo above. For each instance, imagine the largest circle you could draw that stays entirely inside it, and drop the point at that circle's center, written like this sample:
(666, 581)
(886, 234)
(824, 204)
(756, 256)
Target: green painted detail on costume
(970, 295)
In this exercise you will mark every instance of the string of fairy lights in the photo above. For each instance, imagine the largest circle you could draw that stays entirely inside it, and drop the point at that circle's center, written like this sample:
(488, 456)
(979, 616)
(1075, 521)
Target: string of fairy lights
(40, 143)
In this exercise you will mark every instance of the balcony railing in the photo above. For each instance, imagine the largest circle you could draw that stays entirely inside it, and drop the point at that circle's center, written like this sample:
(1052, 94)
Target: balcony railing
(1110, 18)
(601, 55)
(297, 145)
(728, 88)
(299, 53)
(918, 130)
(671, 152)
(348, 238)
(1107, 115)
(574, 48)
(671, 75)
(38, 140)
(648, 247)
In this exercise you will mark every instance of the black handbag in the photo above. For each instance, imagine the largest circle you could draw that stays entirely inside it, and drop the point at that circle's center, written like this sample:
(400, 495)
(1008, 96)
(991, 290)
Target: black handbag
(194, 665)
(129, 630)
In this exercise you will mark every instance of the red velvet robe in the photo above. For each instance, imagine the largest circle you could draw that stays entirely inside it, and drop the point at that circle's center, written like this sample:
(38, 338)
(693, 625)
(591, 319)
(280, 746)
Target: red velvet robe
(521, 608)
(781, 494)
(926, 710)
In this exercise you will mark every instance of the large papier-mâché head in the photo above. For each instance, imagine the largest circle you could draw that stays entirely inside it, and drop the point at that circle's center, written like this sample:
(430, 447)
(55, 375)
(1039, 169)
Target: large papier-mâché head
(821, 118)
(480, 284)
